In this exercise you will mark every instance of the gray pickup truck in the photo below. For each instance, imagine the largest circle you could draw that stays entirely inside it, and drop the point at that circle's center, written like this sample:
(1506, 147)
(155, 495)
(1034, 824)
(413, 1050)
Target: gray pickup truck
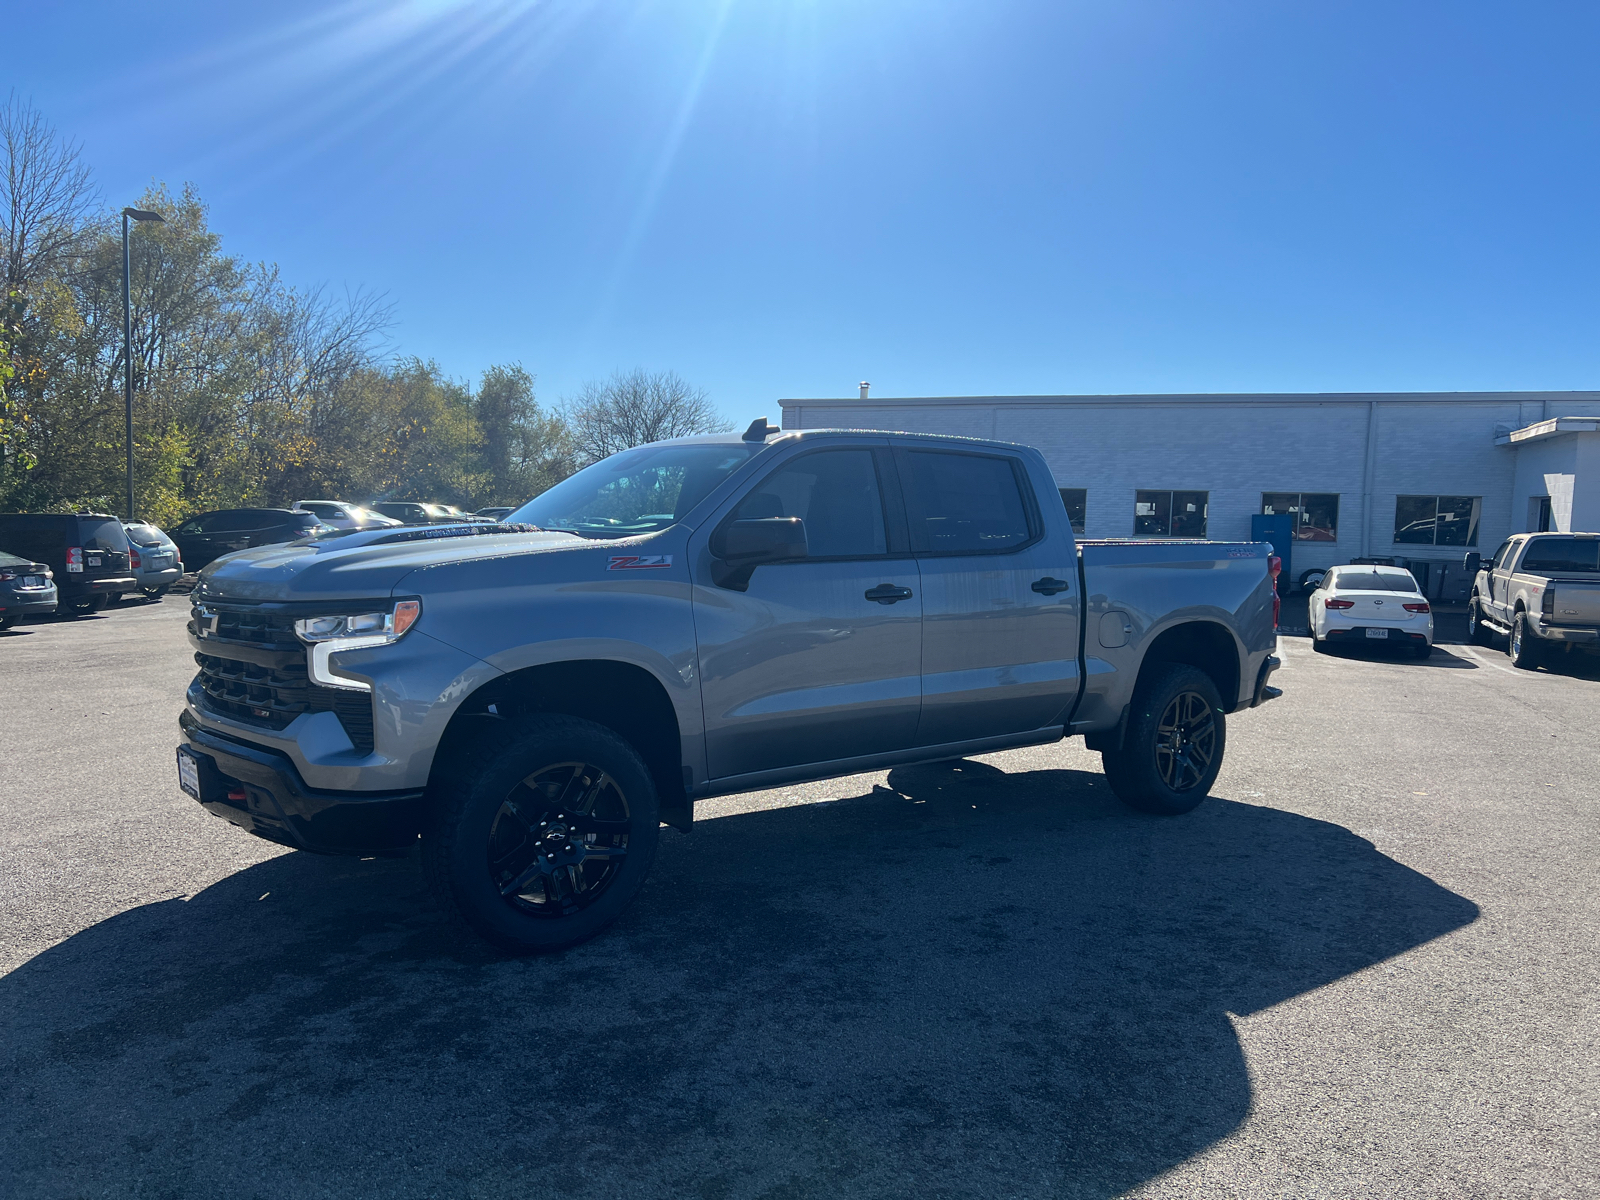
(1542, 590)
(692, 618)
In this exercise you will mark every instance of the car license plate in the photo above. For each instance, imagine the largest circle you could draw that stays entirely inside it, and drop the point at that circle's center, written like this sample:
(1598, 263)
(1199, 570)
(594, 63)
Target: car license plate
(188, 773)
(36, 581)
(94, 561)
(1378, 633)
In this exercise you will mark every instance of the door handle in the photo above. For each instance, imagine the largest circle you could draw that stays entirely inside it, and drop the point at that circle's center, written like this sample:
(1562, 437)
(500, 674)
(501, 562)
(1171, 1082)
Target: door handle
(1049, 587)
(888, 593)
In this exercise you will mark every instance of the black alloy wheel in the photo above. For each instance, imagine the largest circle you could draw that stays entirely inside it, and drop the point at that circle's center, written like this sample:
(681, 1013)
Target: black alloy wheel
(1186, 740)
(559, 839)
(1173, 744)
(542, 834)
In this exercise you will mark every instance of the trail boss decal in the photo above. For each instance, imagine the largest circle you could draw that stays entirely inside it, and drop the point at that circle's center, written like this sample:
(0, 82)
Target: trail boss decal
(639, 562)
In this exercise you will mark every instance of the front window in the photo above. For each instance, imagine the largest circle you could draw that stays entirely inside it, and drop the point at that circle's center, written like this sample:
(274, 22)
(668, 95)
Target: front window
(1437, 520)
(637, 491)
(1170, 514)
(1316, 514)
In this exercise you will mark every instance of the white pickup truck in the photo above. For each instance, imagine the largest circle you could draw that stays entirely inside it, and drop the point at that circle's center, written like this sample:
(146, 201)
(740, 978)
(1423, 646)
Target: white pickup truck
(1542, 590)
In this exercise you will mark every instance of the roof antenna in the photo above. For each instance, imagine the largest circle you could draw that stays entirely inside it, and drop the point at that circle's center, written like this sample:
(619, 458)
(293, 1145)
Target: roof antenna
(760, 431)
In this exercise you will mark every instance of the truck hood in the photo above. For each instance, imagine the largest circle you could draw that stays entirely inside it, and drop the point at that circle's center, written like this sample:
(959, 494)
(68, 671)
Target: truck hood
(367, 564)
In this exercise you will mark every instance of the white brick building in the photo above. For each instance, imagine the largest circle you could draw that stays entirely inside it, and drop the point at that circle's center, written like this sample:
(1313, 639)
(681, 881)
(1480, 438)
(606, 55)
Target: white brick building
(1418, 475)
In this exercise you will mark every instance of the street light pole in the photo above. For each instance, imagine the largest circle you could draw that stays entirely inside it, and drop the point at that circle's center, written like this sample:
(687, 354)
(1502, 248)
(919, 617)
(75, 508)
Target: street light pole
(138, 214)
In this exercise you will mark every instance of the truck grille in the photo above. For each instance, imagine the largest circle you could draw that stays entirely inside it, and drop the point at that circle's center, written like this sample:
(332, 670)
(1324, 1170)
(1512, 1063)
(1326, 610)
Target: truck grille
(271, 697)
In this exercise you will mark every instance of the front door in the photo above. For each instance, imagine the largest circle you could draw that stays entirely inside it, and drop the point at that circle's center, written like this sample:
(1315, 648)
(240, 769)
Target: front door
(999, 597)
(805, 666)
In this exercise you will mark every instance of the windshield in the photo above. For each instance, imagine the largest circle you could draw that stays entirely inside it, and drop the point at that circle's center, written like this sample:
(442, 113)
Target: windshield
(637, 491)
(1562, 556)
(1375, 581)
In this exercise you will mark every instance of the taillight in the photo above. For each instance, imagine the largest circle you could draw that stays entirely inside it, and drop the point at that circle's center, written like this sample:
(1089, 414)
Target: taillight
(1332, 603)
(1423, 607)
(1274, 566)
(134, 562)
(75, 558)
(1547, 606)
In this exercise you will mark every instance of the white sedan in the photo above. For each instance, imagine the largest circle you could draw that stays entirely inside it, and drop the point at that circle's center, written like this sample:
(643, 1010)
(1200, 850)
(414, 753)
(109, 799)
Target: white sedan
(1371, 606)
(342, 515)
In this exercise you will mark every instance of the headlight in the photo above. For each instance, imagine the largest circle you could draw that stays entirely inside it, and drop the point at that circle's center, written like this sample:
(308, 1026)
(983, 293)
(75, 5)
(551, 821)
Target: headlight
(329, 635)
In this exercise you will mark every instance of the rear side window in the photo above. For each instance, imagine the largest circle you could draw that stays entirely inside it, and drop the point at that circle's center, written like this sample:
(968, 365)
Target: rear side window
(101, 533)
(836, 493)
(1562, 556)
(965, 503)
(1376, 581)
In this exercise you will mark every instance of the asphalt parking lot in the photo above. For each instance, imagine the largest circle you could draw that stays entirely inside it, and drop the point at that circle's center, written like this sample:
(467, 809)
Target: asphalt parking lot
(1364, 968)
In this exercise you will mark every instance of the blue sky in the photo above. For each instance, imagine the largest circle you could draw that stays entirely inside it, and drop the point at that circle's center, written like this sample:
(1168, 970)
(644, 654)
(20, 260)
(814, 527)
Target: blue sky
(784, 197)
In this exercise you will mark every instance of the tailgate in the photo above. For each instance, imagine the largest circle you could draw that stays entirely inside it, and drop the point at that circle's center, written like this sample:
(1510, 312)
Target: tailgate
(1577, 602)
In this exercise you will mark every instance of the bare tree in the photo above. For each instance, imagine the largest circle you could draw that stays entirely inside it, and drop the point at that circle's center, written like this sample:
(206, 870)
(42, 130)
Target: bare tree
(636, 407)
(45, 194)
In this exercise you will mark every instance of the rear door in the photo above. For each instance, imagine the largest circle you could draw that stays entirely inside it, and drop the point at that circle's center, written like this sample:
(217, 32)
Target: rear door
(105, 548)
(804, 666)
(1500, 580)
(999, 603)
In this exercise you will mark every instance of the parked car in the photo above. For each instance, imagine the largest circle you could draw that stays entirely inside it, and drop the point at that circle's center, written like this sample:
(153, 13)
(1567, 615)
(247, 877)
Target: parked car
(87, 552)
(339, 514)
(153, 557)
(209, 536)
(1370, 605)
(415, 512)
(695, 618)
(1540, 589)
(27, 589)
(495, 514)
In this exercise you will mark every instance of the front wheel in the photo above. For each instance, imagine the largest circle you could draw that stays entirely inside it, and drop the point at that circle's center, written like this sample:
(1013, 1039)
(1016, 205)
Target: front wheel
(1524, 646)
(540, 845)
(1172, 747)
(1477, 632)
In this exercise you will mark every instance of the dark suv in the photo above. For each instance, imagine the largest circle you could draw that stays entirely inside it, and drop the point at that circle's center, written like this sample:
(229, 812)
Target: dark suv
(87, 552)
(211, 535)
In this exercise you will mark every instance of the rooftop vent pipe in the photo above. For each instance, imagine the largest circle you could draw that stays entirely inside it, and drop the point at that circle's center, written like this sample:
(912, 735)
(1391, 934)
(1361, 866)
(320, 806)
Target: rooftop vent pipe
(864, 386)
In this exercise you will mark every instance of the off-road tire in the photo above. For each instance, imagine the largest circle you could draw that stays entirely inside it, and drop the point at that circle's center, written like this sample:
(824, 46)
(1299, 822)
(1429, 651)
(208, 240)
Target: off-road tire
(1143, 771)
(1523, 646)
(1478, 633)
(460, 826)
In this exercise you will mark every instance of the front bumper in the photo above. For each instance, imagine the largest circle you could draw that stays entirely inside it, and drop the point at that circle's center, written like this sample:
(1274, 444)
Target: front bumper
(260, 791)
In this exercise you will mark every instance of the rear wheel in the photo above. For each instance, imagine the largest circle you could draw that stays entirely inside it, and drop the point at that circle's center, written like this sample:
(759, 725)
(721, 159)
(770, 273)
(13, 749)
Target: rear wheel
(7, 623)
(1524, 646)
(1478, 633)
(1173, 745)
(546, 842)
(1423, 651)
(155, 593)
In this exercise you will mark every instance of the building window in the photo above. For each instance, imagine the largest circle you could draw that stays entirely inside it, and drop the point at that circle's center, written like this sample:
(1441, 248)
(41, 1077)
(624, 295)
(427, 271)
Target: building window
(1170, 514)
(1076, 501)
(1316, 514)
(1436, 520)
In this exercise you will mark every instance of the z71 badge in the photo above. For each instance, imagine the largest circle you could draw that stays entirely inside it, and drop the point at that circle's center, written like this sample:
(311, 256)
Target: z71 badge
(639, 562)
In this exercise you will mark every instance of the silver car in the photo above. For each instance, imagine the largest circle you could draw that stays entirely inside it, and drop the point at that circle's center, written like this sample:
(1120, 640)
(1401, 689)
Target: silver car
(340, 514)
(154, 559)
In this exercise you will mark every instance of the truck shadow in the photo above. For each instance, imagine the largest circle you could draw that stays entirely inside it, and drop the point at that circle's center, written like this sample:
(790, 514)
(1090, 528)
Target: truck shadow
(970, 983)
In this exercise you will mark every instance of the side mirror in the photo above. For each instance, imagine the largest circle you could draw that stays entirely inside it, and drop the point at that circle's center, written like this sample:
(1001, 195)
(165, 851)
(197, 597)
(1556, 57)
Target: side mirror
(1472, 562)
(739, 547)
